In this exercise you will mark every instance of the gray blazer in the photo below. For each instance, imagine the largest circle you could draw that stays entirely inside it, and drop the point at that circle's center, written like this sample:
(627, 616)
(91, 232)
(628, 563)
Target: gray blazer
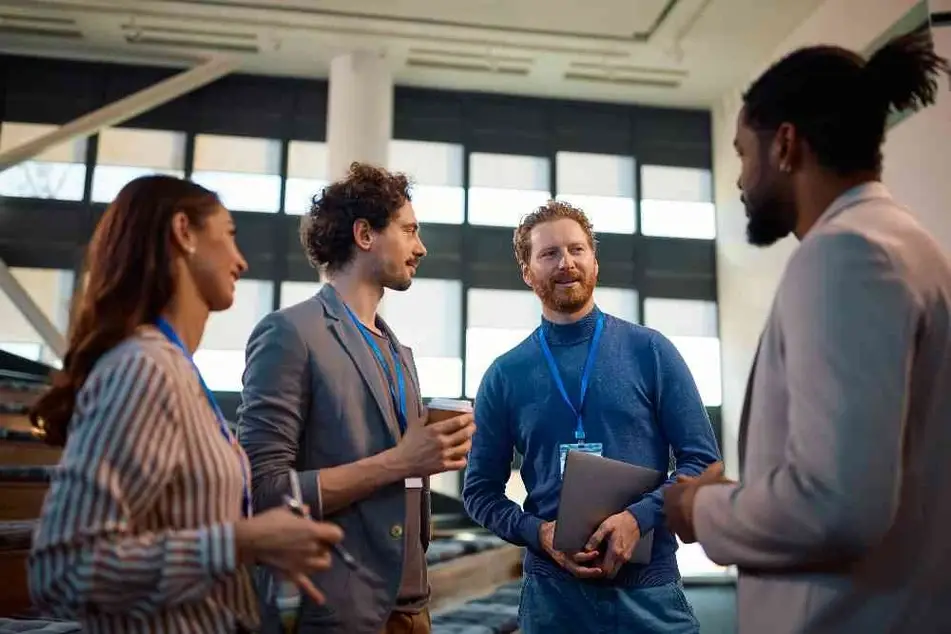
(840, 524)
(313, 398)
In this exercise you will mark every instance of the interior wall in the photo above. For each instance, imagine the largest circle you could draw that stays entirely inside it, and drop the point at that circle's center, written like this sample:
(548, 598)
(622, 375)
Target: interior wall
(747, 277)
(918, 152)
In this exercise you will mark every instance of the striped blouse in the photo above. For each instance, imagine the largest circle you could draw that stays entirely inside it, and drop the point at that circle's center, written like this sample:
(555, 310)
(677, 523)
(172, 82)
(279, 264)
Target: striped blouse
(137, 530)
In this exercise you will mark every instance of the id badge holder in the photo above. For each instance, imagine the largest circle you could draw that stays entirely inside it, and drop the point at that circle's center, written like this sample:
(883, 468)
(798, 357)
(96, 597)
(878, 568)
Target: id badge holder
(591, 447)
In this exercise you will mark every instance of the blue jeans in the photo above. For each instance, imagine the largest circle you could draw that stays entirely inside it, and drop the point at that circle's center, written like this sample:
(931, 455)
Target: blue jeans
(564, 606)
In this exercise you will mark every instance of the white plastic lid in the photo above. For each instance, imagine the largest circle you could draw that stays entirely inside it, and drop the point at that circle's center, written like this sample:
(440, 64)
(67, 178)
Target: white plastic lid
(451, 404)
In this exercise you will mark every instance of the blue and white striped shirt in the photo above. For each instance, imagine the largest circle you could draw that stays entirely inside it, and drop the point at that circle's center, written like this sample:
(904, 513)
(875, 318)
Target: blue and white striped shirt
(137, 530)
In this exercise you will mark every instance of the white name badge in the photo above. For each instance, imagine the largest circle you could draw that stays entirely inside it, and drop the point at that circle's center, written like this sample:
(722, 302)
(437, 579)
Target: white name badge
(414, 483)
(591, 447)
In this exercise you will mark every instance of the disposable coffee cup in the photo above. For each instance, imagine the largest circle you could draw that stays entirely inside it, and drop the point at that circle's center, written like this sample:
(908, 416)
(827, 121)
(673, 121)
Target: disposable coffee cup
(445, 408)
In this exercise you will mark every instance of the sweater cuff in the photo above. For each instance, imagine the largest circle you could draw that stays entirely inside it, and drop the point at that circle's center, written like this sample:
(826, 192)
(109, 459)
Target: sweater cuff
(529, 527)
(645, 512)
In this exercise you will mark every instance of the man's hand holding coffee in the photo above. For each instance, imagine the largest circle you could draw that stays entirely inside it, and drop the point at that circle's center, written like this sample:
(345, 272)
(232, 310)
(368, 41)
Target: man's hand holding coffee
(439, 442)
(430, 448)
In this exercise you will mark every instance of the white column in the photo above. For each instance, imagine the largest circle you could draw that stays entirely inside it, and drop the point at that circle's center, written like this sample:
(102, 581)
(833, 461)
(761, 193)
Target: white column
(359, 111)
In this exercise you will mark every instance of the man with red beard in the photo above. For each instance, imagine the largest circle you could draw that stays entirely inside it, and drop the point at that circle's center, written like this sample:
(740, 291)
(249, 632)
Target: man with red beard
(586, 381)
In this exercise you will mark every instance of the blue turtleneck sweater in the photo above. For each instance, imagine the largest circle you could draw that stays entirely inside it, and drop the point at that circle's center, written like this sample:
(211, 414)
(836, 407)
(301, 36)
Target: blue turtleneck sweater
(642, 403)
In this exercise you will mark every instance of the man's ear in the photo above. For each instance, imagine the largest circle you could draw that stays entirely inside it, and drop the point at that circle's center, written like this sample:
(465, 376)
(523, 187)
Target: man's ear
(786, 147)
(526, 276)
(362, 234)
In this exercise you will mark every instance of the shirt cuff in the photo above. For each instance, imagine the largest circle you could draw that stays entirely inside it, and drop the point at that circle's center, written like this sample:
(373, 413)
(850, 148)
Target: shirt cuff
(529, 529)
(218, 550)
(310, 491)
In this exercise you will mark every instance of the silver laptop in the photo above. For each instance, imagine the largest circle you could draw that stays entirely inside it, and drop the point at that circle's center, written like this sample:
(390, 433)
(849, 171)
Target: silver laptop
(595, 488)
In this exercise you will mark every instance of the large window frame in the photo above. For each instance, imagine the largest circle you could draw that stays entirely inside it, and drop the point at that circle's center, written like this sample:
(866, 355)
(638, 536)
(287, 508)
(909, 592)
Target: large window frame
(476, 256)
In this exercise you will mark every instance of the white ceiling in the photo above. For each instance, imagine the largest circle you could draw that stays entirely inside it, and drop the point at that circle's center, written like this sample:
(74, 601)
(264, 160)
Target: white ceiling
(664, 52)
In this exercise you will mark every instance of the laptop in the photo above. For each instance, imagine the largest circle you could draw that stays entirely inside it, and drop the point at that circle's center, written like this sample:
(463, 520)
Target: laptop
(595, 488)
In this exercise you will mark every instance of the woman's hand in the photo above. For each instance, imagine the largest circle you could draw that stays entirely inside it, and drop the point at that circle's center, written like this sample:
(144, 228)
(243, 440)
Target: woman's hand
(295, 546)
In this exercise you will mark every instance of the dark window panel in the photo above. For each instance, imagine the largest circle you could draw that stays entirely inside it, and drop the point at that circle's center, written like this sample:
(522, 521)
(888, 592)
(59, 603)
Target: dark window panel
(118, 84)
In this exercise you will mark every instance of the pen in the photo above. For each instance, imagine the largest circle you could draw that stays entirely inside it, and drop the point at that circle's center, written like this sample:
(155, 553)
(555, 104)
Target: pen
(295, 504)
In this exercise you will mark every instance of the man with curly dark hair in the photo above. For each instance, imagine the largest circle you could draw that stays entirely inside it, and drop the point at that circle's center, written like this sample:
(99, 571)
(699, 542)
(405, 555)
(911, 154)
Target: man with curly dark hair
(331, 393)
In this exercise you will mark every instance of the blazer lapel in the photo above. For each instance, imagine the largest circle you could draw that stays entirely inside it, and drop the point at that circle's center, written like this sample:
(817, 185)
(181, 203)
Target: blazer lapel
(356, 346)
(745, 412)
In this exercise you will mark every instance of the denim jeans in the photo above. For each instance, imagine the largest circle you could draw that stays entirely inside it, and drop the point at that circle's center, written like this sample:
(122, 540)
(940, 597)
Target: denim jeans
(566, 606)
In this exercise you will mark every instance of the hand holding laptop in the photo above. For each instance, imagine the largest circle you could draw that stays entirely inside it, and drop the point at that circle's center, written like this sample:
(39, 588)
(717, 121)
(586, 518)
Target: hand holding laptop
(622, 533)
(592, 509)
(579, 564)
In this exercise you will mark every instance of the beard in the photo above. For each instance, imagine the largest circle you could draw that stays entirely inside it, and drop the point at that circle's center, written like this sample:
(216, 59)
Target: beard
(394, 276)
(771, 213)
(565, 300)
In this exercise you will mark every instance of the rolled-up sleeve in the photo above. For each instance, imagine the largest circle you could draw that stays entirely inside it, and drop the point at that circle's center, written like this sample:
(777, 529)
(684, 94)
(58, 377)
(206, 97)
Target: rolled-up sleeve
(271, 415)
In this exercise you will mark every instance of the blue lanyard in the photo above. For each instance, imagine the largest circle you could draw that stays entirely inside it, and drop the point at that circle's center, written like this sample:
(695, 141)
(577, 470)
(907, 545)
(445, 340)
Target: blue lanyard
(171, 335)
(398, 392)
(585, 375)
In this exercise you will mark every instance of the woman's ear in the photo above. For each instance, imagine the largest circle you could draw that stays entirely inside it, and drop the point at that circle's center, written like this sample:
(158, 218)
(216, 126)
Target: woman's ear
(182, 235)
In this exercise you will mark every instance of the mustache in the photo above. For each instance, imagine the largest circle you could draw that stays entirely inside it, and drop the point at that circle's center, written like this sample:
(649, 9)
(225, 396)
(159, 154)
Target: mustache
(566, 278)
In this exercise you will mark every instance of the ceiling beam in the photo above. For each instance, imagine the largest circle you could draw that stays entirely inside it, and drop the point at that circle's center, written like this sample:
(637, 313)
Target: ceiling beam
(121, 110)
(33, 314)
(91, 123)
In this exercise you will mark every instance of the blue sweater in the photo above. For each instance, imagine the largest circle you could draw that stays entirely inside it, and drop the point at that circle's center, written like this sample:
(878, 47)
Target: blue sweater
(641, 403)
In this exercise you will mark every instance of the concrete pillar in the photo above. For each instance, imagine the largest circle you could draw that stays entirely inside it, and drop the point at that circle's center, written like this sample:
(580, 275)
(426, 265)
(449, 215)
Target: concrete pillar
(359, 112)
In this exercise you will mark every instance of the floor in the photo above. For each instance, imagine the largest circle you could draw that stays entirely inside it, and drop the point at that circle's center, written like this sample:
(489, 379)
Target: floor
(715, 607)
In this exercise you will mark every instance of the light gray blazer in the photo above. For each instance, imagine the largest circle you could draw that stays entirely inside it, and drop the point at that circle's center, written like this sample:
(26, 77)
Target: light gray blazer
(841, 522)
(314, 398)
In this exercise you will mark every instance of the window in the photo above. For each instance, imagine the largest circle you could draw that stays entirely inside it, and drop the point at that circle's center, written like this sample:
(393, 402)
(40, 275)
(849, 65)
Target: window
(245, 172)
(297, 292)
(436, 172)
(220, 357)
(619, 302)
(59, 172)
(306, 175)
(503, 188)
(428, 318)
(125, 154)
(677, 202)
(602, 186)
(691, 325)
(52, 290)
(498, 321)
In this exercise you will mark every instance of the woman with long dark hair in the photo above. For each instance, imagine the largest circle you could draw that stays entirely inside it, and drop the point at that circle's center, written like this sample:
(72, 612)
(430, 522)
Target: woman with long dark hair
(147, 525)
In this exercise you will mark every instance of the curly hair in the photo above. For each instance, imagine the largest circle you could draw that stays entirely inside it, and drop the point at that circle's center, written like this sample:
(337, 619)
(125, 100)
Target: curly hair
(367, 193)
(552, 210)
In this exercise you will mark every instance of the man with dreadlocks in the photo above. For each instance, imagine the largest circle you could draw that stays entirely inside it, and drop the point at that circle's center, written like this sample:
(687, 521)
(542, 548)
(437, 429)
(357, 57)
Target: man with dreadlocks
(840, 521)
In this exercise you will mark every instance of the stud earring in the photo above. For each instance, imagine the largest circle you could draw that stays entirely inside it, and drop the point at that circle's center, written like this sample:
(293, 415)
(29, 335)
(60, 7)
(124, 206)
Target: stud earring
(190, 250)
